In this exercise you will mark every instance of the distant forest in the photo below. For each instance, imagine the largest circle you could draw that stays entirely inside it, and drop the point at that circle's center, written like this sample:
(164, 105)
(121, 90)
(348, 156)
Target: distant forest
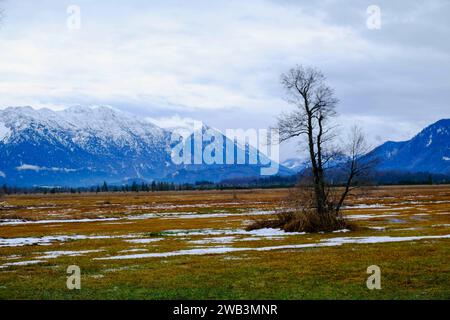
(378, 178)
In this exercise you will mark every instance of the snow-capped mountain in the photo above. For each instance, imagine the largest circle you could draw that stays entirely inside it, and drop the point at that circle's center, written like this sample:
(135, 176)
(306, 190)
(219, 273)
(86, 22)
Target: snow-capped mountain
(242, 153)
(429, 151)
(87, 145)
(295, 164)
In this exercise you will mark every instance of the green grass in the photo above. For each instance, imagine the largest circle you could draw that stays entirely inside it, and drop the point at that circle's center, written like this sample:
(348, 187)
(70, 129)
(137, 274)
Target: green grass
(417, 270)
(409, 270)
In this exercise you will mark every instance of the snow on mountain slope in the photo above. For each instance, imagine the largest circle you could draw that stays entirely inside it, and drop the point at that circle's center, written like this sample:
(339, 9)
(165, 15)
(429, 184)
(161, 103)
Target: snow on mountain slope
(426, 152)
(295, 164)
(86, 145)
(4, 131)
(79, 145)
(81, 123)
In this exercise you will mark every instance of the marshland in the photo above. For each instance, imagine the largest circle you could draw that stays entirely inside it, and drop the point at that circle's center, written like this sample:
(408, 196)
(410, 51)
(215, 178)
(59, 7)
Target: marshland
(197, 245)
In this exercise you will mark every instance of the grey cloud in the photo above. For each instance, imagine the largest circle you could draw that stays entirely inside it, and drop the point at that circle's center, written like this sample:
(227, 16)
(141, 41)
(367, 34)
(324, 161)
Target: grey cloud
(221, 61)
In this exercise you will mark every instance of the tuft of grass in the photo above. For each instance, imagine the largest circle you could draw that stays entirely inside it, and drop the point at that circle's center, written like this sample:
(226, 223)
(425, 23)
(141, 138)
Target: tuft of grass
(155, 234)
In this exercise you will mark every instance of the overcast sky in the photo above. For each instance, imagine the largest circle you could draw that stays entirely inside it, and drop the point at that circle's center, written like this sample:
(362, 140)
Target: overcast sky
(220, 61)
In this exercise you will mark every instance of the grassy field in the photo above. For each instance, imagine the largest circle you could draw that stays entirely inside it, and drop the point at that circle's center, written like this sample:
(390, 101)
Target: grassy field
(193, 245)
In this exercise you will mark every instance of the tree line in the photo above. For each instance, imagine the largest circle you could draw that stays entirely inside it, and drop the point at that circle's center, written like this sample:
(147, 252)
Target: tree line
(243, 183)
(379, 178)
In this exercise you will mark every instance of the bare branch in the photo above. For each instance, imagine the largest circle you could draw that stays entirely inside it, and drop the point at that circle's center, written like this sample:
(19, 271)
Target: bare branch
(357, 165)
(315, 107)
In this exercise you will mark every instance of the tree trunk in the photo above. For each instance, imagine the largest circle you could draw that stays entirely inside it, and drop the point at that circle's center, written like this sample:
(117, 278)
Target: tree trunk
(316, 170)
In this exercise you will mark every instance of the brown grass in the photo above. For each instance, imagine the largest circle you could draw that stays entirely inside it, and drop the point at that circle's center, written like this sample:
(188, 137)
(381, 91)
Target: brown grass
(301, 215)
(413, 270)
(304, 221)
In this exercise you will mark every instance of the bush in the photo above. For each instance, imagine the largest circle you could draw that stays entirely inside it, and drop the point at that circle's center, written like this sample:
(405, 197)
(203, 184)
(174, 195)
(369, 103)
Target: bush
(303, 221)
(300, 215)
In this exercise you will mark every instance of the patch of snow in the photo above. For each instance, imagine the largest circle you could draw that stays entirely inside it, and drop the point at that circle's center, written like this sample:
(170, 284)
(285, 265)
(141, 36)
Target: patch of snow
(47, 240)
(197, 216)
(266, 232)
(165, 215)
(341, 230)
(18, 242)
(121, 223)
(134, 250)
(382, 239)
(144, 240)
(365, 206)
(213, 240)
(178, 206)
(2, 174)
(323, 243)
(13, 257)
(4, 131)
(370, 216)
(398, 208)
(378, 228)
(430, 140)
(23, 263)
(8, 222)
(201, 251)
(28, 167)
(218, 215)
(270, 232)
(406, 229)
(56, 254)
(249, 239)
(446, 158)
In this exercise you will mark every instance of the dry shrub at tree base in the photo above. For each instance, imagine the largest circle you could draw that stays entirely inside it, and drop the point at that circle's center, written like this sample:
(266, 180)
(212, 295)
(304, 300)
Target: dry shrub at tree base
(304, 221)
(300, 215)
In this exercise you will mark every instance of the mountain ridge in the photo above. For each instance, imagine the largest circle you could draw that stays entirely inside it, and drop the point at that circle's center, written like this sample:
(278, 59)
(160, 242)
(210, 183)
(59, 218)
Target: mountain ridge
(85, 145)
(428, 151)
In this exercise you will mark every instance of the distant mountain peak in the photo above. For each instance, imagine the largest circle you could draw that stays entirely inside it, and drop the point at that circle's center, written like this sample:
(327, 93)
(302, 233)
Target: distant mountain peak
(425, 152)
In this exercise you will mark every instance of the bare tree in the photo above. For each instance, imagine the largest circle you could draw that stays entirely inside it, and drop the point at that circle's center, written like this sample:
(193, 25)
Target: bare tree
(314, 107)
(312, 120)
(356, 169)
